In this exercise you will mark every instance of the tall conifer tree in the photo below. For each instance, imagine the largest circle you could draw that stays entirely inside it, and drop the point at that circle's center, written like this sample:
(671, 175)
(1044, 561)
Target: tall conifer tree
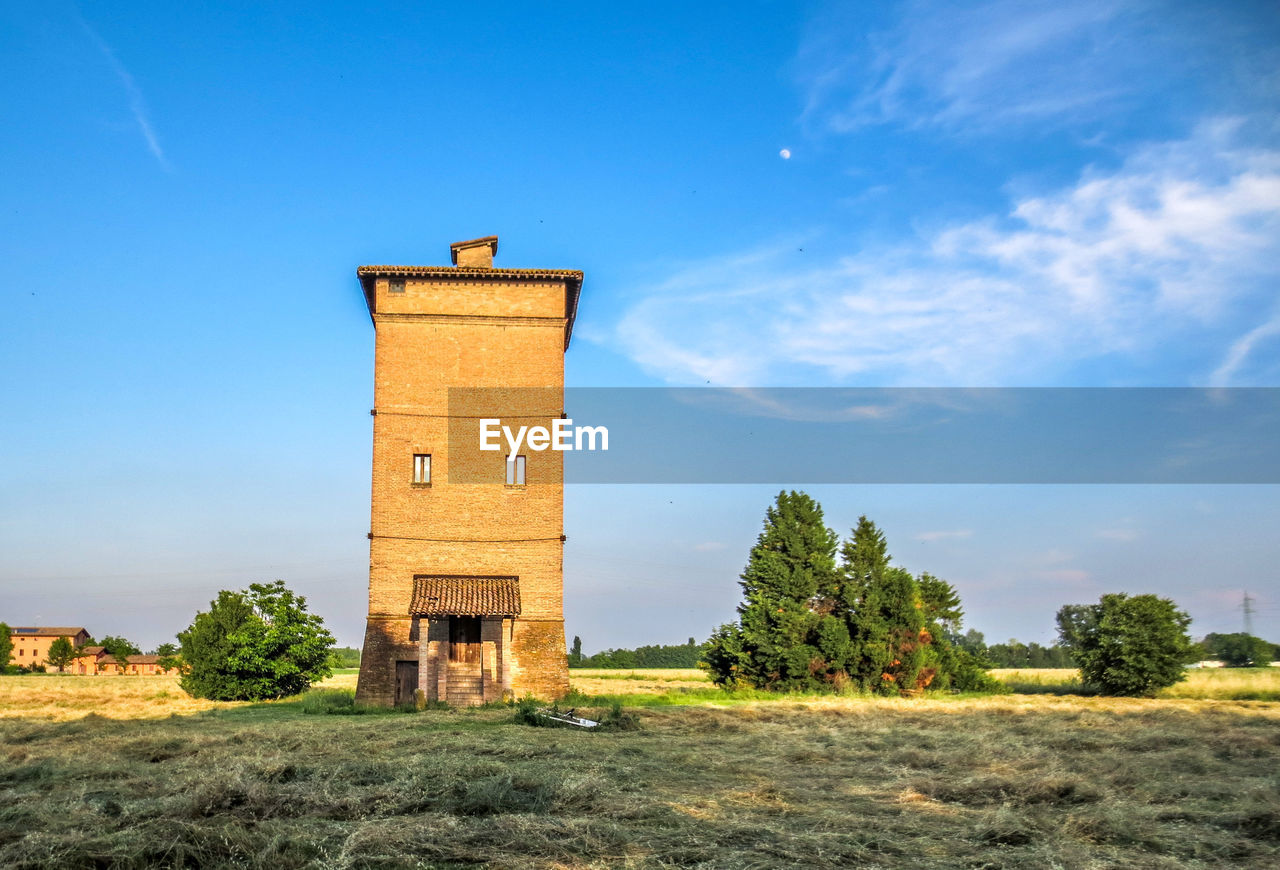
(794, 558)
(864, 563)
(804, 624)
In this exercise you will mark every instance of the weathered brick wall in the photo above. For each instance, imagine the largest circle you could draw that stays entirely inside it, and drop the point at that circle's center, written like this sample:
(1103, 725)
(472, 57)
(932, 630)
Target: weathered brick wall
(540, 666)
(385, 642)
(467, 332)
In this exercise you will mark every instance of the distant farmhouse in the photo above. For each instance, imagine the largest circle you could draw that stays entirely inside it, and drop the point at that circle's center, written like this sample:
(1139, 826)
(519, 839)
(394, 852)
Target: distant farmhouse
(96, 661)
(31, 643)
(465, 590)
(31, 647)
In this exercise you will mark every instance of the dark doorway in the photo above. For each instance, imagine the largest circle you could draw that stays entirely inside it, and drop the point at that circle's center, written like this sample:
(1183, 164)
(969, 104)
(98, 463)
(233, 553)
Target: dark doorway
(406, 682)
(464, 639)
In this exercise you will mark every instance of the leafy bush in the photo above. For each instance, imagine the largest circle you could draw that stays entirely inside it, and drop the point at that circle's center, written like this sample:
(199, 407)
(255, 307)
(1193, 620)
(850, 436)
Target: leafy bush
(618, 719)
(1127, 645)
(255, 644)
(527, 713)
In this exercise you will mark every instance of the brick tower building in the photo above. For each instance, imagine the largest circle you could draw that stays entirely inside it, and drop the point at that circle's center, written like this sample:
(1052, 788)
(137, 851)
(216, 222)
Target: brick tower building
(465, 570)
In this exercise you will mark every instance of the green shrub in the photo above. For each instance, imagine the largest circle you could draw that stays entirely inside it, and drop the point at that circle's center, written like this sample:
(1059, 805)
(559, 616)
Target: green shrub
(1127, 645)
(618, 719)
(253, 645)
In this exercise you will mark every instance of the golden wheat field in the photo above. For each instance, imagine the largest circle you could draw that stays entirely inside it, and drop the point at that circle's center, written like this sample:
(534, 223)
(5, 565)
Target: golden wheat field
(651, 681)
(1241, 684)
(58, 697)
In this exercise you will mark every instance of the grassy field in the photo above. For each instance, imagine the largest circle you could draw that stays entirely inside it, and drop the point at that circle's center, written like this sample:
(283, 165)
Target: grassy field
(1224, 684)
(127, 772)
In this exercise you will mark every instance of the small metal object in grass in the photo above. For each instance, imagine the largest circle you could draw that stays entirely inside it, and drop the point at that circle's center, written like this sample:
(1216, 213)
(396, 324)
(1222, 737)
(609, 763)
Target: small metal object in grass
(568, 717)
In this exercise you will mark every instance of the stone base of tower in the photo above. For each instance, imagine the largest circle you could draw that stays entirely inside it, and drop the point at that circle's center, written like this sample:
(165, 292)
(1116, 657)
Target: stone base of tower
(501, 658)
(386, 642)
(541, 665)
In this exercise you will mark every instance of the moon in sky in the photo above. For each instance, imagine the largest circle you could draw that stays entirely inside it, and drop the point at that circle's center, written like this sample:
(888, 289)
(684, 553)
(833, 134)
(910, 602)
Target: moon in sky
(785, 153)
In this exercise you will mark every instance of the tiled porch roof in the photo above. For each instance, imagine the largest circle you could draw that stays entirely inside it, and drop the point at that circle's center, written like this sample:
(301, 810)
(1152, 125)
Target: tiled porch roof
(459, 595)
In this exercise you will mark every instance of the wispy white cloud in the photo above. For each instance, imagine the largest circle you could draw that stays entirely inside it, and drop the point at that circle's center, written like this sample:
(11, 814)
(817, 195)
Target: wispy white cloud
(1240, 350)
(1066, 576)
(1172, 244)
(945, 534)
(1001, 64)
(990, 63)
(1122, 535)
(709, 547)
(137, 104)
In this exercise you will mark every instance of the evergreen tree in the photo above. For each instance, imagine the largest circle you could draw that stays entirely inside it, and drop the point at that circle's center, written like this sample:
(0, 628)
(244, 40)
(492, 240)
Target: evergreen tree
(779, 630)
(61, 653)
(575, 654)
(867, 594)
(803, 624)
(941, 604)
(6, 646)
(865, 558)
(906, 638)
(724, 658)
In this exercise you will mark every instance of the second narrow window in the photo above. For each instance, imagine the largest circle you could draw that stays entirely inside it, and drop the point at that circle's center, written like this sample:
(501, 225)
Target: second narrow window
(515, 470)
(422, 468)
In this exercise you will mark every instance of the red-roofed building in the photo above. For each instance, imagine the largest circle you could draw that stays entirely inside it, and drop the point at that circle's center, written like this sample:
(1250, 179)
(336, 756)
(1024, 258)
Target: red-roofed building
(31, 642)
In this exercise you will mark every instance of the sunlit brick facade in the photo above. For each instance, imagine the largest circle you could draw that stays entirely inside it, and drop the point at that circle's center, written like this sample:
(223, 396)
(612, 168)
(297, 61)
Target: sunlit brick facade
(465, 579)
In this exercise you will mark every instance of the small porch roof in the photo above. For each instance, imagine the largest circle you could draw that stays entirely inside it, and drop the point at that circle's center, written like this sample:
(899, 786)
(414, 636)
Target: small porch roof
(462, 595)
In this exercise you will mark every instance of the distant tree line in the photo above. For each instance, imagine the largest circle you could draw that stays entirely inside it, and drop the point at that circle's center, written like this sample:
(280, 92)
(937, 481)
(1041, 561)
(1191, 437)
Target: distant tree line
(684, 655)
(344, 657)
(1238, 650)
(1014, 653)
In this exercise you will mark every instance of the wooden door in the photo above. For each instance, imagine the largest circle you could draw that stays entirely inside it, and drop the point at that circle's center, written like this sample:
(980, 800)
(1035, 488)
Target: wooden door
(406, 682)
(464, 639)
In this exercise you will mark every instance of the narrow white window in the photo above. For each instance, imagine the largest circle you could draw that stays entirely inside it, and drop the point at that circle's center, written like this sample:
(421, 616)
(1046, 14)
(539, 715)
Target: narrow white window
(515, 470)
(422, 468)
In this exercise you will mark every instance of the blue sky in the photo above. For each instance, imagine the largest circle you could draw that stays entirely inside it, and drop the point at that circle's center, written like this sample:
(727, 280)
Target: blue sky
(995, 194)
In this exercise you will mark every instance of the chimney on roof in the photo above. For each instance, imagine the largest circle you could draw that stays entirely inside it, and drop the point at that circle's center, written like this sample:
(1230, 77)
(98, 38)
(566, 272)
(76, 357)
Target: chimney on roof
(474, 254)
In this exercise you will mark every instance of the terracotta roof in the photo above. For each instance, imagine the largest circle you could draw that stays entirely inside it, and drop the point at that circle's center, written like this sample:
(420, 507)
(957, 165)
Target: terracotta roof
(571, 277)
(465, 596)
(129, 660)
(46, 631)
(93, 650)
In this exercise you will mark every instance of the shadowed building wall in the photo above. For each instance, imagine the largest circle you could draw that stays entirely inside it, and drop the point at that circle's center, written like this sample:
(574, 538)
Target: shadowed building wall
(465, 579)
